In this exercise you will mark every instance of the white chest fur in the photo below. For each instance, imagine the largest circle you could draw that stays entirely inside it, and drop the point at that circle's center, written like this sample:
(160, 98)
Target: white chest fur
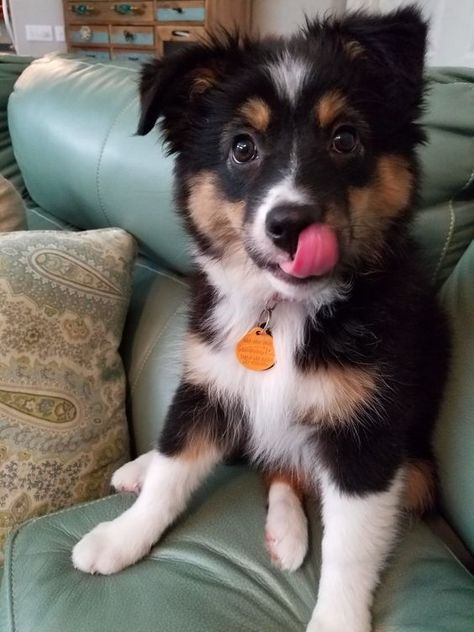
(274, 401)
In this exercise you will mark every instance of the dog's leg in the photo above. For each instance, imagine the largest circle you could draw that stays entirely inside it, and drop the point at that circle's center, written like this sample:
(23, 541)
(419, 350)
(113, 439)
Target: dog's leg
(168, 484)
(130, 477)
(359, 532)
(286, 528)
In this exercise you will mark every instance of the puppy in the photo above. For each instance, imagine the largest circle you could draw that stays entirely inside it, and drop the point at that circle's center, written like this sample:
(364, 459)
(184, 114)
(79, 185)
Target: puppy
(314, 345)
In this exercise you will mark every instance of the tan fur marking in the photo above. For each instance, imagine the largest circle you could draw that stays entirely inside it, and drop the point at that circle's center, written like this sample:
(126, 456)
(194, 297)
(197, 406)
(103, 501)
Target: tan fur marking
(329, 107)
(205, 78)
(373, 207)
(389, 192)
(419, 487)
(344, 390)
(354, 49)
(198, 446)
(194, 346)
(257, 113)
(211, 213)
(295, 480)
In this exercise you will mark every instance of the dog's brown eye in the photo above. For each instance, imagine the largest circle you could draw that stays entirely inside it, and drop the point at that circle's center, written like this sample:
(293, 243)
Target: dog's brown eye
(244, 149)
(345, 140)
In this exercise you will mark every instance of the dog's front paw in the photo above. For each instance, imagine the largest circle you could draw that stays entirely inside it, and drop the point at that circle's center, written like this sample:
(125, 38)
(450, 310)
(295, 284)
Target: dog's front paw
(130, 477)
(286, 535)
(106, 549)
(325, 622)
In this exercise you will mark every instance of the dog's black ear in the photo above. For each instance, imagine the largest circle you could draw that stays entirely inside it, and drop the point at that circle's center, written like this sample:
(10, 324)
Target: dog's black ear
(173, 84)
(391, 45)
(395, 41)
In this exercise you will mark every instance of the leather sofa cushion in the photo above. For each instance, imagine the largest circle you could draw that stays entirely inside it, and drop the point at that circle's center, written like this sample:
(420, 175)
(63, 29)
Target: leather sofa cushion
(81, 118)
(455, 427)
(211, 573)
(444, 224)
(152, 348)
(11, 66)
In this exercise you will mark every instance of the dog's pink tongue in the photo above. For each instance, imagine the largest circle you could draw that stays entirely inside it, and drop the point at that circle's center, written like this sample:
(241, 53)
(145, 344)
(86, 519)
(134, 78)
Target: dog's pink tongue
(316, 254)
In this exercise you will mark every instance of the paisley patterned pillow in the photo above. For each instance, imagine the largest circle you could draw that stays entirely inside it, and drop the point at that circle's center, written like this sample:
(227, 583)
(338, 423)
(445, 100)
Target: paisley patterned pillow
(63, 301)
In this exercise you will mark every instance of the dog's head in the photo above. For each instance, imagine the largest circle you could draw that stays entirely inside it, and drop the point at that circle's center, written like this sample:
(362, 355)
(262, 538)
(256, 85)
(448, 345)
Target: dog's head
(296, 155)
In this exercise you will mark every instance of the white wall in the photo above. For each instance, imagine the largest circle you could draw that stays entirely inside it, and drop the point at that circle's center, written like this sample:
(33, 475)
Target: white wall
(284, 16)
(36, 12)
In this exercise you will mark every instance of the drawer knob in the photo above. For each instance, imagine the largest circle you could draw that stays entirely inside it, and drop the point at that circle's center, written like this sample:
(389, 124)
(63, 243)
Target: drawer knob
(85, 33)
(128, 9)
(129, 36)
(84, 9)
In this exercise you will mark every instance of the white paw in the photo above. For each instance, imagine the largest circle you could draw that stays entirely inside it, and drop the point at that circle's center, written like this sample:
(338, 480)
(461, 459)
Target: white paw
(130, 477)
(321, 622)
(286, 533)
(107, 549)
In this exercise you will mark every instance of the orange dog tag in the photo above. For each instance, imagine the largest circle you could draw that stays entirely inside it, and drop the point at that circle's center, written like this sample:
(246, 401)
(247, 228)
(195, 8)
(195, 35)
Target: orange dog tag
(255, 351)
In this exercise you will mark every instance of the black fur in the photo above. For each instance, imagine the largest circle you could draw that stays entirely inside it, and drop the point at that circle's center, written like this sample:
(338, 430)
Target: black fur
(390, 319)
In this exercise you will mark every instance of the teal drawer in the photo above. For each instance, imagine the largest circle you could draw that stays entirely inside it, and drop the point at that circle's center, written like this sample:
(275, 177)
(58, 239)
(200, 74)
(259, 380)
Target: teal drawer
(133, 36)
(100, 55)
(136, 56)
(181, 13)
(89, 35)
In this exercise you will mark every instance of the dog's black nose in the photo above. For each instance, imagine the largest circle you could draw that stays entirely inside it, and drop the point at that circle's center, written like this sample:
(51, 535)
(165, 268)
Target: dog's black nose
(284, 224)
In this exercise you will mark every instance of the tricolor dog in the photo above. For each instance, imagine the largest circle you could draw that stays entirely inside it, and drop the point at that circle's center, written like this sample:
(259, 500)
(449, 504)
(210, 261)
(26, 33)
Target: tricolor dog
(314, 346)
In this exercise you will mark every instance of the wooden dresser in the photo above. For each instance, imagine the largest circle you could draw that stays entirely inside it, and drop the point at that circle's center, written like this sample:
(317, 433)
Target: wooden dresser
(137, 30)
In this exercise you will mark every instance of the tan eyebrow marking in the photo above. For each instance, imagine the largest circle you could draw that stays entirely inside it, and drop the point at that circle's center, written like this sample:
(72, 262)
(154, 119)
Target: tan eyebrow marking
(257, 113)
(330, 106)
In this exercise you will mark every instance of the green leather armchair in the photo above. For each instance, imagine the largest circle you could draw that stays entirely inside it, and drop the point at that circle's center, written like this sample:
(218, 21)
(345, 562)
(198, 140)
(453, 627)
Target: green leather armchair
(71, 125)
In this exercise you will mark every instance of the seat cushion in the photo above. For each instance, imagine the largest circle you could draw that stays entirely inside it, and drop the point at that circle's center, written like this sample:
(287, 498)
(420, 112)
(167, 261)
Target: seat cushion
(444, 224)
(455, 427)
(211, 573)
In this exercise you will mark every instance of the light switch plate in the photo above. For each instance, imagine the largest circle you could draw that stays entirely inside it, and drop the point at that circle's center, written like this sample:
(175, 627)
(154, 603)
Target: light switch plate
(59, 33)
(39, 32)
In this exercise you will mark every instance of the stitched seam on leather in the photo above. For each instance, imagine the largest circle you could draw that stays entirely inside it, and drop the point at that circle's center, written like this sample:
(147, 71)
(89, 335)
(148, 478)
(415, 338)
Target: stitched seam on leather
(163, 274)
(151, 348)
(447, 243)
(101, 156)
(12, 582)
(13, 546)
(452, 224)
(43, 216)
(60, 512)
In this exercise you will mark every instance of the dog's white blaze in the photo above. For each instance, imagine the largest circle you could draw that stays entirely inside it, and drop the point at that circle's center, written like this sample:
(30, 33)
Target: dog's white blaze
(289, 75)
(358, 536)
(284, 192)
(168, 484)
